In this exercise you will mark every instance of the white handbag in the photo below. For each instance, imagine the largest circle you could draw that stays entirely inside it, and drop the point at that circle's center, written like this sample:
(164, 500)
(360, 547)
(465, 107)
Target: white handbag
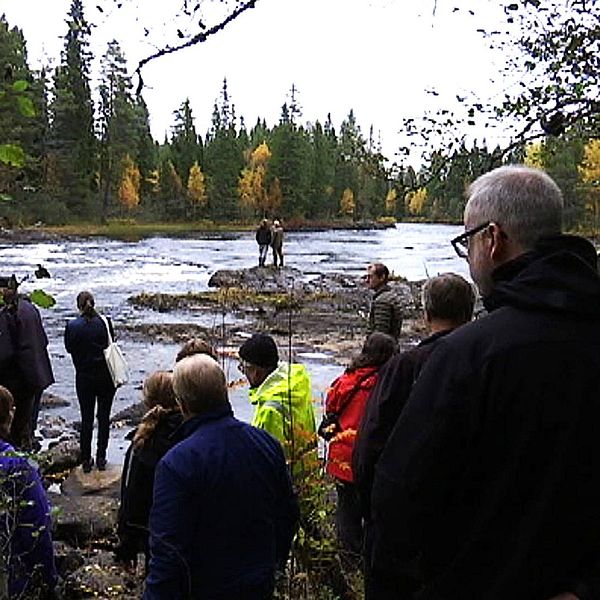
(115, 361)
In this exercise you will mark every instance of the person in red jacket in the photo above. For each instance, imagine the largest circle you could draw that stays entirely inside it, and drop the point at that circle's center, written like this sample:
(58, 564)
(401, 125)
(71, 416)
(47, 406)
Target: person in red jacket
(344, 408)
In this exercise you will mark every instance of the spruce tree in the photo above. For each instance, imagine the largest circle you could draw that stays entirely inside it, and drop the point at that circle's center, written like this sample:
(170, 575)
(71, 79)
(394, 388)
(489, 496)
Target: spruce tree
(73, 145)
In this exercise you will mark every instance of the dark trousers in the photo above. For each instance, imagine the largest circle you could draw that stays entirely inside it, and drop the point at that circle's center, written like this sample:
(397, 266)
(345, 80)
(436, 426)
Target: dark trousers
(20, 429)
(263, 251)
(92, 391)
(278, 252)
(348, 521)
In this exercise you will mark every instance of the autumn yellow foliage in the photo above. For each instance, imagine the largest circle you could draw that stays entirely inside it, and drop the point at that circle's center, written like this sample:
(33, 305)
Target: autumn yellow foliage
(533, 155)
(129, 188)
(415, 201)
(589, 172)
(196, 187)
(347, 203)
(390, 201)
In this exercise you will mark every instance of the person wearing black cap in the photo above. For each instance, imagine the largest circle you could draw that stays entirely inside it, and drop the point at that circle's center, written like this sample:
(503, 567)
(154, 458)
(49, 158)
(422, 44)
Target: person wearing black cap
(281, 393)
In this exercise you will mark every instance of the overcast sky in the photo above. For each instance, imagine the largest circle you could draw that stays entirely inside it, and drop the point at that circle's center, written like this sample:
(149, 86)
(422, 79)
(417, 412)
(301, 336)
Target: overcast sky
(378, 57)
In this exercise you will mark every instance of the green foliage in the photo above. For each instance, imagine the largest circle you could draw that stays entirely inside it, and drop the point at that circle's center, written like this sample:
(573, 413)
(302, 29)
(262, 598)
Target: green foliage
(42, 299)
(12, 155)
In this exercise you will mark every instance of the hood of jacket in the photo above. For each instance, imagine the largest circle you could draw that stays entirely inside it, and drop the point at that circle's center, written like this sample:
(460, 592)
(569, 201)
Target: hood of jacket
(276, 384)
(560, 274)
(352, 380)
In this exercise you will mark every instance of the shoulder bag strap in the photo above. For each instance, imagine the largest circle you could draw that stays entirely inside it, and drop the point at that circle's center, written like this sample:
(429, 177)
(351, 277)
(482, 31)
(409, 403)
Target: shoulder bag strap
(105, 320)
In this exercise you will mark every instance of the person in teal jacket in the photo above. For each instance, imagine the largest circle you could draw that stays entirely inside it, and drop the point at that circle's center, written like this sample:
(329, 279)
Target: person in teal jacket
(281, 393)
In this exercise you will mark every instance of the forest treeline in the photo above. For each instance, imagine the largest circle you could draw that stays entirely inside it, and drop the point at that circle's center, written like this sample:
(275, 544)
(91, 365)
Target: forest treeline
(66, 158)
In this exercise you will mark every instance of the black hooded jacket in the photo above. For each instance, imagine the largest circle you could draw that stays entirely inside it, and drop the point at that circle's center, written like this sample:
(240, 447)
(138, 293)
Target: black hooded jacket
(489, 486)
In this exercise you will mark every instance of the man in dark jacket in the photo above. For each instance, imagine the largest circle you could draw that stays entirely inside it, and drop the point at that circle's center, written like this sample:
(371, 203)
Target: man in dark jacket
(224, 512)
(25, 367)
(448, 301)
(263, 239)
(489, 485)
(385, 312)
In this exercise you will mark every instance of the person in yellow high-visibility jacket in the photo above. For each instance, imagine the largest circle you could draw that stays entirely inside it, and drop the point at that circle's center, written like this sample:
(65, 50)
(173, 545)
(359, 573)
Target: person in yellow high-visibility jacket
(281, 393)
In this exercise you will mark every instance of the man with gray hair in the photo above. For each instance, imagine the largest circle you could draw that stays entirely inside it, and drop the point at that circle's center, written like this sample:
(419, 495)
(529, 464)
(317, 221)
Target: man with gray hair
(224, 512)
(448, 301)
(489, 485)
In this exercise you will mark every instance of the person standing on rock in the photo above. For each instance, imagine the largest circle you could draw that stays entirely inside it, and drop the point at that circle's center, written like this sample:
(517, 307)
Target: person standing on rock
(263, 239)
(27, 551)
(277, 243)
(25, 367)
(86, 337)
(385, 312)
(224, 512)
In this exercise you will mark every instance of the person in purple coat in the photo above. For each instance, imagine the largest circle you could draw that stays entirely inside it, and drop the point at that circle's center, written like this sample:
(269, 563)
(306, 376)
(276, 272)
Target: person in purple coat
(27, 560)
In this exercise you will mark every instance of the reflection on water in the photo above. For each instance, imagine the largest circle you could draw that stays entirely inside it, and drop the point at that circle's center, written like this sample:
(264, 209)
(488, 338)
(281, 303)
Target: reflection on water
(114, 270)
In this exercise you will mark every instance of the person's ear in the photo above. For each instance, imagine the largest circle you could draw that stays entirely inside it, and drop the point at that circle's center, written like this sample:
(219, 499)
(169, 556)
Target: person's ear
(498, 240)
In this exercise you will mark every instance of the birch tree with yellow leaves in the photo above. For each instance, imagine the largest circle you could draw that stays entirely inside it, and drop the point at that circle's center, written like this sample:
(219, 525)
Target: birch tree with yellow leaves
(129, 187)
(196, 188)
(252, 183)
(589, 172)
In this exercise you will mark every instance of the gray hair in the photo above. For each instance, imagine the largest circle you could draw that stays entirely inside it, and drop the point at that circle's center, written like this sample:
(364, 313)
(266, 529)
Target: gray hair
(199, 384)
(449, 297)
(525, 202)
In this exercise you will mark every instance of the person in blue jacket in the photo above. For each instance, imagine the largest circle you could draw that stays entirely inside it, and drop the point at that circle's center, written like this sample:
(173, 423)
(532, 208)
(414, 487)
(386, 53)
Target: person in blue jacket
(86, 337)
(224, 512)
(25, 525)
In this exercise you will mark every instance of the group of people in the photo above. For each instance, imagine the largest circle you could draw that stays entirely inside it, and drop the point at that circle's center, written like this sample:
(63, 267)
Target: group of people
(465, 467)
(270, 237)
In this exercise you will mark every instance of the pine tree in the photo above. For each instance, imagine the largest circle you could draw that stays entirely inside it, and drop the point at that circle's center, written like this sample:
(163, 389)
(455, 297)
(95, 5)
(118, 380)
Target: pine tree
(117, 124)
(73, 145)
(223, 160)
(185, 147)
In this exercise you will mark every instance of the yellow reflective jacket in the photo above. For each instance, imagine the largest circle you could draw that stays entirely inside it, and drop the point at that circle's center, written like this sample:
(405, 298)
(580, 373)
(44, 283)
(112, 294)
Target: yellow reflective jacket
(288, 415)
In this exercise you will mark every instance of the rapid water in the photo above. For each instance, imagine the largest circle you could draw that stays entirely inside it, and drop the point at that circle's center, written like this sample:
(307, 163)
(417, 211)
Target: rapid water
(114, 270)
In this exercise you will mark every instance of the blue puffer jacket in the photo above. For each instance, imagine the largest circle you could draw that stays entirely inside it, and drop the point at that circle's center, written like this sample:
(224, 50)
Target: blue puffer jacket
(31, 562)
(223, 515)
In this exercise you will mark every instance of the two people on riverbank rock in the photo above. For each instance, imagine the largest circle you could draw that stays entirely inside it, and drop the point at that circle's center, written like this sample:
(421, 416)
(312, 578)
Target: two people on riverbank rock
(447, 302)
(277, 243)
(86, 337)
(25, 367)
(224, 512)
(385, 312)
(489, 484)
(344, 408)
(263, 239)
(282, 396)
(27, 552)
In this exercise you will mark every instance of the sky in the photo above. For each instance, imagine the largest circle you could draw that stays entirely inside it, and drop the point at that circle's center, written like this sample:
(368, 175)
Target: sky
(377, 57)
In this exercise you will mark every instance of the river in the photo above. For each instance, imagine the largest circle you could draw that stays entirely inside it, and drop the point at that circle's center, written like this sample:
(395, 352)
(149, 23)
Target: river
(114, 270)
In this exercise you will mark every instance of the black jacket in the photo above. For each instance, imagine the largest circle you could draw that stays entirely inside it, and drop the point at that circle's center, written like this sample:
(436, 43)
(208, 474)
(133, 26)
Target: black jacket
(137, 486)
(491, 477)
(263, 236)
(395, 381)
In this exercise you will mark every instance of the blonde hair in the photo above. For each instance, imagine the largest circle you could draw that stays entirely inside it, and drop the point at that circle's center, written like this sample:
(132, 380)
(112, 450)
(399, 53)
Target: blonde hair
(160, 400)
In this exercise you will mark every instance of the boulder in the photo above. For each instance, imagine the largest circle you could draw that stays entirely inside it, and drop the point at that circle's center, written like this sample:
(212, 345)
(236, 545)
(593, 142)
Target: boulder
(132, 415)
(61, 457)
(80, 520)
(101, 483)
(50, 400)
(67, 558)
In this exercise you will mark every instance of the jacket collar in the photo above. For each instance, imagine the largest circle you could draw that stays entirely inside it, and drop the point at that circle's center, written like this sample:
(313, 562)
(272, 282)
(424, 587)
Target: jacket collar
(188, 427)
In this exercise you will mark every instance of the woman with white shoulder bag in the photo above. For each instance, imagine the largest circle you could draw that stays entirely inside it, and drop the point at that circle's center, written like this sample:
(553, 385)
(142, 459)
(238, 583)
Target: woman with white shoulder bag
(89, 339)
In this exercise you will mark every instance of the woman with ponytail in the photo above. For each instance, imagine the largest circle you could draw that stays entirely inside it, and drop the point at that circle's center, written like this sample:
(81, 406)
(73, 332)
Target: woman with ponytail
(85, 340)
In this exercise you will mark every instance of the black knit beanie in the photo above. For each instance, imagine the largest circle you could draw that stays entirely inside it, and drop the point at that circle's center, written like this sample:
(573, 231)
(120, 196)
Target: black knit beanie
(260, 350)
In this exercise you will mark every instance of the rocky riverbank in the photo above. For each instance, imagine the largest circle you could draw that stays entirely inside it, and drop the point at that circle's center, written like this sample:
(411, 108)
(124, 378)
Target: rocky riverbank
(323, 313)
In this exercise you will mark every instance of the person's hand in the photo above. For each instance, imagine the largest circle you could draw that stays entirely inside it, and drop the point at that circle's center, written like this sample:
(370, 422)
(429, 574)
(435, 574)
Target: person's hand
(564, 596)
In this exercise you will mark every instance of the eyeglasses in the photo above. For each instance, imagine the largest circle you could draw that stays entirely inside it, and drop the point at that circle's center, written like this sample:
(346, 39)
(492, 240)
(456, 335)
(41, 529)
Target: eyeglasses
(461, 242)
(243, 366)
